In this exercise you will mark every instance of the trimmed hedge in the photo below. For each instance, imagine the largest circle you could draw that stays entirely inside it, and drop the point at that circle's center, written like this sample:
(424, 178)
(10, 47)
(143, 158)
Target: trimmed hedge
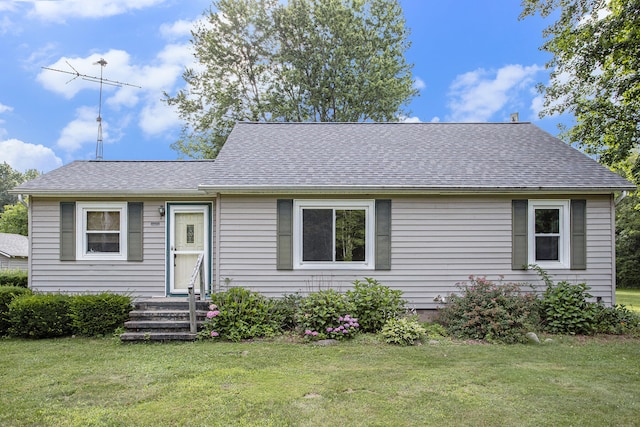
(7, 294)
(14, 278)
(96, 315)
(58, 315)
(40, 316)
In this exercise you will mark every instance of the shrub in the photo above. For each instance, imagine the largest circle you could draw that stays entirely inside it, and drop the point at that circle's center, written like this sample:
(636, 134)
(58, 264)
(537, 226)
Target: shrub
(326, 314)
(564, 309)
(435, 330)
(374, 304)
(488, 311)
(40, 316)
(98, 315)
(7, 294)
(616, 320)
(14, 278)
(285, 310)
(238, 314)
(403, 331)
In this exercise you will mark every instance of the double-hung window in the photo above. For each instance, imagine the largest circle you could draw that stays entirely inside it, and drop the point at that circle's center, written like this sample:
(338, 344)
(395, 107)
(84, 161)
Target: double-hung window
(101, 231)
(335, 233)
(549, 229)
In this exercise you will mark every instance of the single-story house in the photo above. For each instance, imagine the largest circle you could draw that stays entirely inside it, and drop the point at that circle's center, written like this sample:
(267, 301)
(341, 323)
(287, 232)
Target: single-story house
(14, 251)
(296, 207)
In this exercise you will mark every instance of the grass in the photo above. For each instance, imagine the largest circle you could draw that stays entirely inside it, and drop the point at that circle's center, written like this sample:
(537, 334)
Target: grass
(630, 298)
(100, 382)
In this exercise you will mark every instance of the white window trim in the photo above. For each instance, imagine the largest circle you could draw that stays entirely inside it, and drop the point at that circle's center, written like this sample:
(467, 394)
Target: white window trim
(565, 233)
(367, 205)
(81, 228)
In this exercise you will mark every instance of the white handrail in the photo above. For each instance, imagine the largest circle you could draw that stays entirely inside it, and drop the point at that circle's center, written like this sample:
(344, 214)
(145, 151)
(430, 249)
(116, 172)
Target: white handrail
(198, 270)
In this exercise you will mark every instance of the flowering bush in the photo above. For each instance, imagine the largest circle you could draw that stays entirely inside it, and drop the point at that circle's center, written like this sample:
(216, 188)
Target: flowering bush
(240, 314)
(489, 311)
(323, 314)
(347, 326)
(375, 303)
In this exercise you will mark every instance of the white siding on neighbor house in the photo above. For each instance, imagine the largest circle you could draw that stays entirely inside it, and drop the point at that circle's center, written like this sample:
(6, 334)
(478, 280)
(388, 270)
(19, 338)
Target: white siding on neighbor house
(436, 242)
(7, 263)
(49, 274)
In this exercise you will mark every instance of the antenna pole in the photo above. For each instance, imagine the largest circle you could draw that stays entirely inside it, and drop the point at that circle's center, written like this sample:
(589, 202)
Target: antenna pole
(102, 63)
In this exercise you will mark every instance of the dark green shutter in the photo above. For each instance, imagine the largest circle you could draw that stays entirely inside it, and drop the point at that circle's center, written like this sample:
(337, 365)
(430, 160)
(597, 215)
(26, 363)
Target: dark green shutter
(578, 235)
(67, 231)
(134, 231)
(519, 231)
(383, 235)
(285, 234)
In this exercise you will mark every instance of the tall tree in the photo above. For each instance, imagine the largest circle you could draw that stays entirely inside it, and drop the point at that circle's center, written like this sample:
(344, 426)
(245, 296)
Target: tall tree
(595, 74)
(10, 178)
(14, 220)
(307, 60)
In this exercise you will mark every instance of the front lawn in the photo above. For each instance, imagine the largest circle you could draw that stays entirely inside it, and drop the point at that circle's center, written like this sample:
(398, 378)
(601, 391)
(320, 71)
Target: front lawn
(630, 298)
(73, 381)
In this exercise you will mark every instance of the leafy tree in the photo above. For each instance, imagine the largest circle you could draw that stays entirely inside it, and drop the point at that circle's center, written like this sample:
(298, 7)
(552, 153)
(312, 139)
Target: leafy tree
(628, 242)
(10, 178)
(306, 60)
(595, 74)
(14, 220)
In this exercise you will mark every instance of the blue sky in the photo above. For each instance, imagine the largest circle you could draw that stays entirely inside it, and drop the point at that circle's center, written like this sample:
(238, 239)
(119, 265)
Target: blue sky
(473, 61)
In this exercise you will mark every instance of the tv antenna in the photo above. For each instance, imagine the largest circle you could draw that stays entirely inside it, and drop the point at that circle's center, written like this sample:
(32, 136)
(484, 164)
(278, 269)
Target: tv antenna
(102, 81)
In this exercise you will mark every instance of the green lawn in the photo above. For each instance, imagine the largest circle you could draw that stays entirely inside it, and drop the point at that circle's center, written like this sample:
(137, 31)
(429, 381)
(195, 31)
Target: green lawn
(630, 298)
(73, 382)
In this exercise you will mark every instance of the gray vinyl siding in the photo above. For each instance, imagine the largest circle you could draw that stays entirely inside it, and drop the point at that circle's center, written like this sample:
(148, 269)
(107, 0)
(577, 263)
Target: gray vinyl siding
(436, 242)
(13, 263)
(49, 274)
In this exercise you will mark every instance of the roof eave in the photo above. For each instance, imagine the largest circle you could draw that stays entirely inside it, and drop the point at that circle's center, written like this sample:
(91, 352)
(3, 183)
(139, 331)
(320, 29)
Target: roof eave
(113, 193)
(381, 189)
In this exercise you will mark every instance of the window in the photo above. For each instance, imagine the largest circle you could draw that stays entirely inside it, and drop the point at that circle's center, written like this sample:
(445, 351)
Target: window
(549, 227)
(101, 231)
(336, 233)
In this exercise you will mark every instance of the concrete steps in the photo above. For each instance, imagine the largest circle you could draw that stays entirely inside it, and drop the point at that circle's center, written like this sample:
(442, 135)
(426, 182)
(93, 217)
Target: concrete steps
(162, 319)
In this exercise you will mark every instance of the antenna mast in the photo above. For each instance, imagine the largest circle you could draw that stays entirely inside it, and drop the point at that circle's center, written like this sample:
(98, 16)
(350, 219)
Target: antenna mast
(76, 74)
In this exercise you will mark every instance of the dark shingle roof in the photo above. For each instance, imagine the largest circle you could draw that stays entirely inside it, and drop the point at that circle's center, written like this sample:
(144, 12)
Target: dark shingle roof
(122, 177)
(419, 156)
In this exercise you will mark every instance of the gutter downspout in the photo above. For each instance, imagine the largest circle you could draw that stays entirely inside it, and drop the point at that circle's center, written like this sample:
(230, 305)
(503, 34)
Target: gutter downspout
(215, 285)
(621, 197)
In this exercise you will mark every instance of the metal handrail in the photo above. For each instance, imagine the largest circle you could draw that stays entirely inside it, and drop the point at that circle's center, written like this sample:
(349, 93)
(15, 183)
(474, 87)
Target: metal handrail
(198, 271)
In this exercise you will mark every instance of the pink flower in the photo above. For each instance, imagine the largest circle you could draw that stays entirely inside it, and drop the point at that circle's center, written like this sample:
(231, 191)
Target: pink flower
(345, 331)
(307, 332)
(340, 319)
(212, 307)
(314, 333)
(329, 329)
(210, 314)
(214, 334)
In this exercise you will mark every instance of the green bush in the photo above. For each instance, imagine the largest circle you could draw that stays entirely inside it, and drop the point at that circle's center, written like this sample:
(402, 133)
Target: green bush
(564, 309)
(403, 331)
(435, 330)
(374, 304)
(98, 315)
(285, 310)
(14, 278)
(238, 314)
(327, 314)
(488, 311)
(616, 320)
(40, 316)
(7, 294)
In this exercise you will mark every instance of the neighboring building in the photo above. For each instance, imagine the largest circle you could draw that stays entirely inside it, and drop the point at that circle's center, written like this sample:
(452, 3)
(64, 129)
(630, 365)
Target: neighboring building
(14, 252)
(300, 206)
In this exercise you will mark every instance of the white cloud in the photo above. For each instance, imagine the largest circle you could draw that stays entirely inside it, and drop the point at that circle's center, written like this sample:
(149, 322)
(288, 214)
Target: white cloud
(81, 131)
(22, 156)
(435, 119)
(157, 118)
(413, 119)
(5, 108)
(59, 11)
(177, 30)
(478, 95)
(419, 84)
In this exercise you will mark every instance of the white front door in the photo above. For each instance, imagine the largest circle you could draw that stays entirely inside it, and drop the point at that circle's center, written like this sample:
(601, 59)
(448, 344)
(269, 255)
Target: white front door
(188, 231)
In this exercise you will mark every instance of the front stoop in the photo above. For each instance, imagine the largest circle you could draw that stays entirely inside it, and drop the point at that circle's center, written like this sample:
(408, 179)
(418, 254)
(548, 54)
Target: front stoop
(162, 319)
